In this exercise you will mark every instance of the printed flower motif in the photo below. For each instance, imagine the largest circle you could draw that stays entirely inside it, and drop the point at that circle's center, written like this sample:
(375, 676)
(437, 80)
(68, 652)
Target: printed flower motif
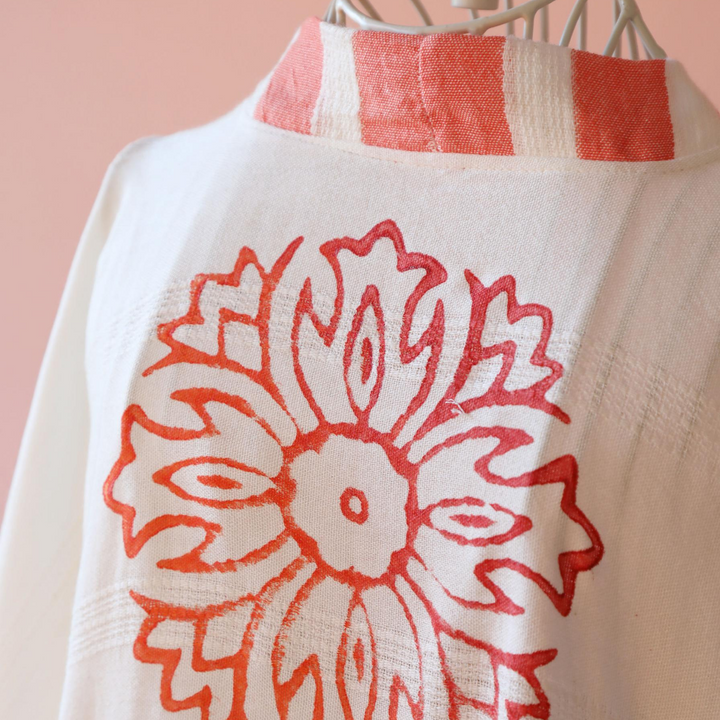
(334, 507)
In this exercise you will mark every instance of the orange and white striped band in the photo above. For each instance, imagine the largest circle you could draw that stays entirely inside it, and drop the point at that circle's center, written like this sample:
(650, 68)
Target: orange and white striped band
(485, 96)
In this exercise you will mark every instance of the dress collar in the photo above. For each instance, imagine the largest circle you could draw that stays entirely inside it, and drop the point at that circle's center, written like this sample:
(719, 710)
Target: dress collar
(484, 96)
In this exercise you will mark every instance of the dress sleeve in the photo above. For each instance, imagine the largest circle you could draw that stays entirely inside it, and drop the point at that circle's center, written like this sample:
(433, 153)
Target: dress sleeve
(40, 537)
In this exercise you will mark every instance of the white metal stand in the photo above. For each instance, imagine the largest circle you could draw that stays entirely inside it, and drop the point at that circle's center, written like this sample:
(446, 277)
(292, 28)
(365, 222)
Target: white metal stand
(627, 16)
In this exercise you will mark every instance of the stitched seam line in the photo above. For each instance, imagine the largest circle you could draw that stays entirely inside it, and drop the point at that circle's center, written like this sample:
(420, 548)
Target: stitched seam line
(394, 157)
(421, 89)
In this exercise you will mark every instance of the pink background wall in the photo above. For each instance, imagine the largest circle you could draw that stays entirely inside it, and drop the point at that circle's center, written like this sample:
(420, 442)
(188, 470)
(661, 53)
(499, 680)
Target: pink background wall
(79, 79)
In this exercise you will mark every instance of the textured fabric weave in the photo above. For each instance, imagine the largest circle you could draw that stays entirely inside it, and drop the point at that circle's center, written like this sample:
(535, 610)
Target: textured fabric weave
(490, 96)
(392, 393)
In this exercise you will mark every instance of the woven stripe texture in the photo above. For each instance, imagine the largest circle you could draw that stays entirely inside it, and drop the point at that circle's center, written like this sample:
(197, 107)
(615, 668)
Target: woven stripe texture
(482, 96)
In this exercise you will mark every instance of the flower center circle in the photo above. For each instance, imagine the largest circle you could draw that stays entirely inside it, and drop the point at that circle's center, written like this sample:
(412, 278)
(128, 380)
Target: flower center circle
(356, 511)
(348, 511)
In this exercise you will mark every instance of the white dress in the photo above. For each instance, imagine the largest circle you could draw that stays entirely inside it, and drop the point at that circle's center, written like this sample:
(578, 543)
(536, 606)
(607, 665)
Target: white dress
(392, 393)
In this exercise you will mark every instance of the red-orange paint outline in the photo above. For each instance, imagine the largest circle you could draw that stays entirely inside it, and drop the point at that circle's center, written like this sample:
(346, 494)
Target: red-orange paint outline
(562, 471)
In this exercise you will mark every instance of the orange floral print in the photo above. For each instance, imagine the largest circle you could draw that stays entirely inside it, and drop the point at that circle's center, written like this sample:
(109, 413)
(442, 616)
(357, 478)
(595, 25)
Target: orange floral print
(345, 541)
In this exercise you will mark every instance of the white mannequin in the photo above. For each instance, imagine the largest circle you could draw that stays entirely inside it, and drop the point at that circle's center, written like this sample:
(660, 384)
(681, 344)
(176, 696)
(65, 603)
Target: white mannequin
(627, 19)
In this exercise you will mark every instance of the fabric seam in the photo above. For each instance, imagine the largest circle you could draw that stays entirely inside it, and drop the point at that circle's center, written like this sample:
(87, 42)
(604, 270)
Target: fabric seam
(445, 161)
(421, 88)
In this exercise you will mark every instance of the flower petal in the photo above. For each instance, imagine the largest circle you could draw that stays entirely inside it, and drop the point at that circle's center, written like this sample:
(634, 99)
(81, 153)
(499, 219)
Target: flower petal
(151, 501)
(494, 683)
(364, 357)
(451, 610)
(215, 482)
(400, 674)
(255, 674)
(521, 378)
(197, 669)
(169, 643)
(434, 669)
(170, 588)
(201, 650)
(545, 538)
(472, 671)
(471, 521)
(352, 296)
(225, 309)
(227, 323)
(485, 678)
(357, 664)
(306, 646)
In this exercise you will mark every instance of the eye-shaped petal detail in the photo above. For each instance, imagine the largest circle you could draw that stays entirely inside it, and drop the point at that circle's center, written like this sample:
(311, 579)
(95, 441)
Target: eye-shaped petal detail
(364, 358)
(215, 482)
(357, 664)
(471, 521)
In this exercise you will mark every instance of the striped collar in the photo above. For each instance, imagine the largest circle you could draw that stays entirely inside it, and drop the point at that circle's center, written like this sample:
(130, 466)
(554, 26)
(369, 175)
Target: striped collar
(484, 96)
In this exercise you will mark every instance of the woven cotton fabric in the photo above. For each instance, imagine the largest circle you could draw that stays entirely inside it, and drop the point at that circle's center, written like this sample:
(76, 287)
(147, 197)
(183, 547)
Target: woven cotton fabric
(392, 393)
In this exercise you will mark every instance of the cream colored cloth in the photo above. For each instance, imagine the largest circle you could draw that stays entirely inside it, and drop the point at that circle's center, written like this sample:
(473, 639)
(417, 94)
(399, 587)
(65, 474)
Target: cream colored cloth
(394, 392)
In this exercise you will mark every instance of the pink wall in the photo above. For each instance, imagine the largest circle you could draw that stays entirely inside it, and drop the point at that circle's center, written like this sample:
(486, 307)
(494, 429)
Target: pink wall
(81, 78)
